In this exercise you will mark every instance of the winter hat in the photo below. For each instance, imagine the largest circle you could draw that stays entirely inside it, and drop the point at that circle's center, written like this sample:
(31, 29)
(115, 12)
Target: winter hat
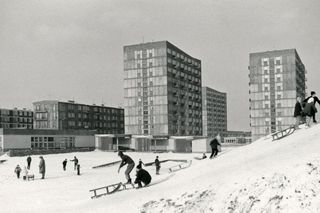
(310, 100)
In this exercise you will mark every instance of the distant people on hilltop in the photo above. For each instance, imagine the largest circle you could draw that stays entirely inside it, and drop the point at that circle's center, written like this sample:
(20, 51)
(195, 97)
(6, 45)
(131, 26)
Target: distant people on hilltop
(315, 100)
(298, 112)
(126, 160)
(309, 110)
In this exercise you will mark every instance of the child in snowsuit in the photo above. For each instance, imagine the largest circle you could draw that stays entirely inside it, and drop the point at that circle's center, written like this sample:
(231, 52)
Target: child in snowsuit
(64, 164)
(17, 171)
(157, 164)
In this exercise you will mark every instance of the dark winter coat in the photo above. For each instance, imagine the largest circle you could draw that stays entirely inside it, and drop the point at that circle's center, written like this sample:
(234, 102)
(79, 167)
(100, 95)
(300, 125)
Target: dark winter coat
(214, 143)
(64, 163)
(143, 176)
(76, 161)
(315, 100)
(309, 109)
(42, 166)
(297, 110)
(157, 162)
(126, 160)
(29, 159)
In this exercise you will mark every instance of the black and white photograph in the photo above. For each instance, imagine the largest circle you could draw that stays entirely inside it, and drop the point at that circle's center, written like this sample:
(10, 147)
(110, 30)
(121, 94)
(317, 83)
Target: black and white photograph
(159, 106)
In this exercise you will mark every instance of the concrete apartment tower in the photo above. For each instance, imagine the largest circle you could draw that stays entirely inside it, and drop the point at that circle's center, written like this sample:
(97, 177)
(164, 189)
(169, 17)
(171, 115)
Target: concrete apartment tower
(162, 90)
(276, 79)
(214, 112)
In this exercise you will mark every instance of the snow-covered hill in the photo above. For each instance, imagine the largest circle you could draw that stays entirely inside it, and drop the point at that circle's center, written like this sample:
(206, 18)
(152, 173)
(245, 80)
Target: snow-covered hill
(266, 176)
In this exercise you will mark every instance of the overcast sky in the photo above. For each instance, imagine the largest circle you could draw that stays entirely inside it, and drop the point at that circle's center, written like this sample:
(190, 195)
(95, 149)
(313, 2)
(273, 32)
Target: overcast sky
(73, 49)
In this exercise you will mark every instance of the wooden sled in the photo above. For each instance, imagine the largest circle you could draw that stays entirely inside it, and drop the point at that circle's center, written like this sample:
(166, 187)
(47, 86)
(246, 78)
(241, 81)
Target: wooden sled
(107, 190)
(180, 166)
(283, 133)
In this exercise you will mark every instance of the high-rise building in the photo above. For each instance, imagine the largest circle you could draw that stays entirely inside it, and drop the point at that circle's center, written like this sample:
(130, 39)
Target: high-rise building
(16, 119)
(74, 116)
(214, 112)
(276, 79)
(162, 86)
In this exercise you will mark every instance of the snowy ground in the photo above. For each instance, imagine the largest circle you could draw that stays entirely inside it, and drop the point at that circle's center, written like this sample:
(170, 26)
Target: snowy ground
(266, 176)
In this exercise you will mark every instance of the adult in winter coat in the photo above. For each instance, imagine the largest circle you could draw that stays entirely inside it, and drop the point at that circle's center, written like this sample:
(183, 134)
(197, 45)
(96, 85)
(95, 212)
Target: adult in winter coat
(64, 164)
(157, 164)
(126, 160)
(298, 112)
(75, 161)
(214, 147)
(315, 100)
(142, 177)
(29, 161)
(17, 170)
(42, 167)
(309, 111)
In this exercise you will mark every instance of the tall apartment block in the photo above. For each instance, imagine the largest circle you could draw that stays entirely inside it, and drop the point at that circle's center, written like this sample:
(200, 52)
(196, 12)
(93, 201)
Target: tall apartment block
(162, 86)
(16, 119)
(276, 79)
(74, 116)
(214, 112)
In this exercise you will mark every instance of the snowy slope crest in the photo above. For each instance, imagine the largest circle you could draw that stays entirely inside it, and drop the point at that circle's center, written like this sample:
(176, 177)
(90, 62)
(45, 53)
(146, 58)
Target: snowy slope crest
(266, 176)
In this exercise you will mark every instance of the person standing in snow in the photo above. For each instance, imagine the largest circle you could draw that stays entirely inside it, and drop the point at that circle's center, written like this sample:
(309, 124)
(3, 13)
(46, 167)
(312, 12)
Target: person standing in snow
(17, 171)
(157, 164)
(75, 161)
(298, 112)
(308, 111)
(42, 167)
(64, 164)
(29, 161)
(315, 100)
(142, 176)
(126, 160)
(214, 147)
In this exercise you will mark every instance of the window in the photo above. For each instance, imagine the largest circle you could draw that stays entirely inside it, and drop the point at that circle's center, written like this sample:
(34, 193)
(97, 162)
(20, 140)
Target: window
(278, 87)
(266, 106)
(265, 80)
(279, 105)
(278, 62)
(266, 97)
(150, 64)
(150, 55)
(266, 72)
(266, 88)
(278, 79)
(278, 70)
(265, 63)
(278, 96)
(138, 65)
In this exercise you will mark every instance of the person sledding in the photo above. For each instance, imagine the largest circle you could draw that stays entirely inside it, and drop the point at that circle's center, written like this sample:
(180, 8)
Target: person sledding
(126, 160)
(142, 176)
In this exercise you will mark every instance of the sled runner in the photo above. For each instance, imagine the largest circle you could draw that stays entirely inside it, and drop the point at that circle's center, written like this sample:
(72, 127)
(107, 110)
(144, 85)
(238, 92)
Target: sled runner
(283, 133)
(180, 166)
(107, 190)
(106, 165)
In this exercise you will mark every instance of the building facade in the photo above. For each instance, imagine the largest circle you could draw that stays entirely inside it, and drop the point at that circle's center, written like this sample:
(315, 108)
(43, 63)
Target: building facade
(214, 112)
(39, 139)
(16, 119)
(276, 79)
(162, 90)
(74, 116)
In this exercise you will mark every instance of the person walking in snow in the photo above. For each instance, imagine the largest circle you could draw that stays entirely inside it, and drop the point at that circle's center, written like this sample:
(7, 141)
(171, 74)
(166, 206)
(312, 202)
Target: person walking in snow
(42, 167)
(315, 100)
(17, 170)
(29, 161)
(64, 164)
(75, 161)
(157, 164)
(298, 112)
(214, 147)
(308, 111)
(142, 176)
(126, 160)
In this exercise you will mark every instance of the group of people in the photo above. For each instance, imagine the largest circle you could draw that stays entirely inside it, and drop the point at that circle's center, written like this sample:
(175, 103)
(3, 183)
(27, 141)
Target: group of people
(42, 167)
(307, 109)
(26, 169)
(142, 175)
